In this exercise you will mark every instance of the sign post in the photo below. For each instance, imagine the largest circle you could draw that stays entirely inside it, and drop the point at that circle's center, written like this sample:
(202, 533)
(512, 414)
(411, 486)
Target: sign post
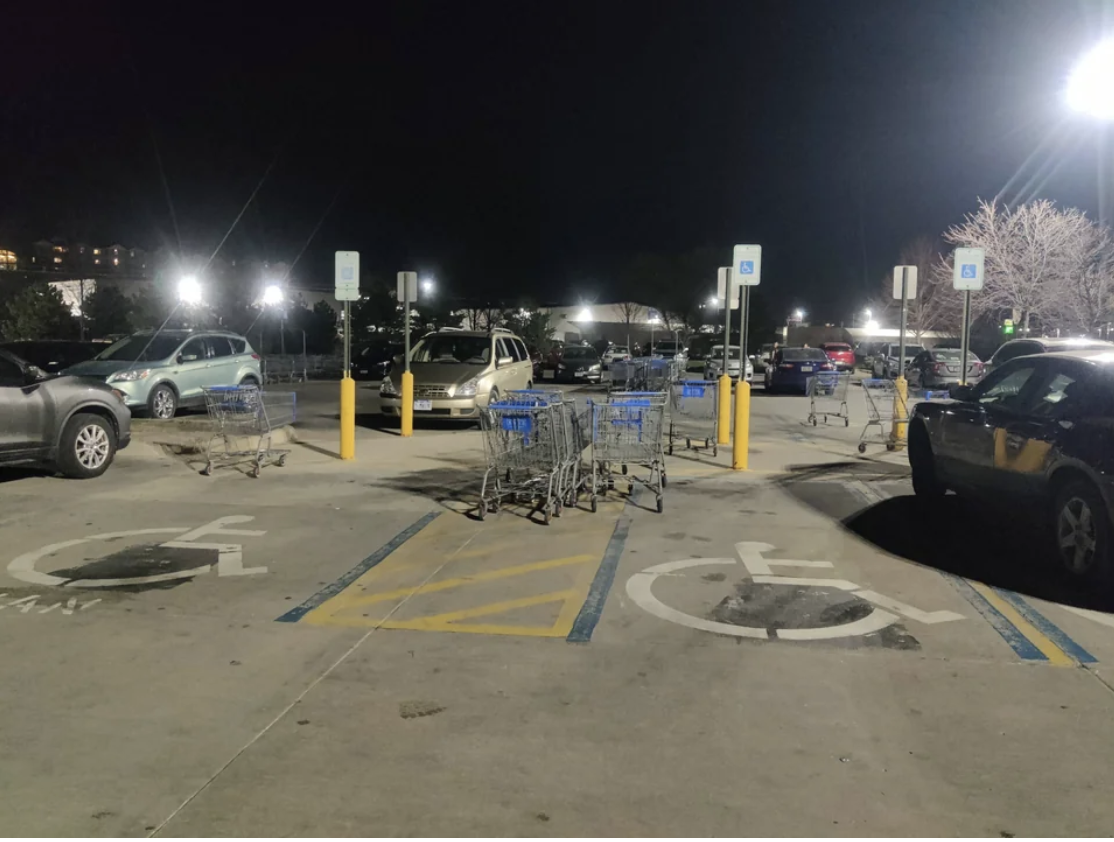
(905, 289)
(407, 294)
(967, 275)
(746, 269)
(729, 295)
(347, 290)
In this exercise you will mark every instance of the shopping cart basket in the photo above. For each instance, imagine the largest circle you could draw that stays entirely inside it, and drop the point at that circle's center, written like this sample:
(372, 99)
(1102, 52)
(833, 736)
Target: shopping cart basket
(246, 418)
(827, 395)
(693, 413)
(881, 401)
(627, 432)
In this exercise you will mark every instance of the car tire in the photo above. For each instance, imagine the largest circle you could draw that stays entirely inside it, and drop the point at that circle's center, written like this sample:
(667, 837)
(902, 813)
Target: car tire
(1079, 517)
(162, 403)
(250, 380)
(87, 446)
(926, 482)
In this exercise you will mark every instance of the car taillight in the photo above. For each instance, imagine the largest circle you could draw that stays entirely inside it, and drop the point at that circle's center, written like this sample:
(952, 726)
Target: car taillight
(255, 356)
(786, 365)
(826, 367)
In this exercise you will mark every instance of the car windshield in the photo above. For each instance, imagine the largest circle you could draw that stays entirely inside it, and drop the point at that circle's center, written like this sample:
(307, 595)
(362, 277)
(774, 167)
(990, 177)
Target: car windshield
(141, 348)
(453, 348)
(717, 353)
(579, 354)
(797, 355)
(910, 350)
(953, 355)
(620, 349)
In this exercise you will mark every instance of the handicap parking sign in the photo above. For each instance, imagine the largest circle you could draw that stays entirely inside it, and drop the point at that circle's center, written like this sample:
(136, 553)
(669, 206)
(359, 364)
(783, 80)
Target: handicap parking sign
(346, 273)
(967, 270)
(746, 267)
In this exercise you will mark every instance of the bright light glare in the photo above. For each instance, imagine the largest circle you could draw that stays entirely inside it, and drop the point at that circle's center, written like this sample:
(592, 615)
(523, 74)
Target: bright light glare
(798, 314)
(713, 302)
(427, 286)
(585, 315)
(272, 295)
(189, 290)
(1091, 84)
(868, 313)
(872, 325)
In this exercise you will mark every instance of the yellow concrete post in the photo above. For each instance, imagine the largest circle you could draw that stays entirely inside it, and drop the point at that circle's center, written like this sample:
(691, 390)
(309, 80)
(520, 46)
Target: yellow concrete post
(901, 412)
(723, 420)
(740, 452)
(347, 418)
(407, 403)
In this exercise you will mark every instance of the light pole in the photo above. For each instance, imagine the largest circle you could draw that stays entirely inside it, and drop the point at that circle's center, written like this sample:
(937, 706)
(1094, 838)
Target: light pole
(1090, 91)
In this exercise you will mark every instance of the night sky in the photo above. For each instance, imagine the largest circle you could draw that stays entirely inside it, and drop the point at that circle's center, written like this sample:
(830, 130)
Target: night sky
(534, 148)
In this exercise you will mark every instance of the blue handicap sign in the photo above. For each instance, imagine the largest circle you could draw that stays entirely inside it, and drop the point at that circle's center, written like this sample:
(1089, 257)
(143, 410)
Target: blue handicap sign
(746, 267)
(346, 273)
(967, 270)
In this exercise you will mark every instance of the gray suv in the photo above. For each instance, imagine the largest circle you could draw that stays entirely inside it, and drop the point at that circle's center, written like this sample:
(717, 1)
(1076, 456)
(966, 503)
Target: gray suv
(70, 423)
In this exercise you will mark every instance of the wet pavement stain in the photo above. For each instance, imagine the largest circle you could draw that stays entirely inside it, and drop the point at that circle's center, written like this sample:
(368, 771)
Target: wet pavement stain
(714, 577)
(142, 560)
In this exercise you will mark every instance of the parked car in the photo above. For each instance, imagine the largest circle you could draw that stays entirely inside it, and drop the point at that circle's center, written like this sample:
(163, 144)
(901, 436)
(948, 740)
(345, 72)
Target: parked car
(159, 372)
(886, 359)
(573, 363)
(373, 361)
(713, 365)
(1024, 347)
(615, 352)
(841, 354)
(72, 424)
(762, 359)
(938, 368)
(790, 368)
(1034, 435)
(458, 372)
(669, 349)
(54, 355)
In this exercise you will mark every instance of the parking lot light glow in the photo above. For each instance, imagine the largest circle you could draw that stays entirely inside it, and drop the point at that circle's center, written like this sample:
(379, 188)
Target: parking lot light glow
(427, 286)
(1090, 87)
(871, 325)
(272, 295)
(189, 290)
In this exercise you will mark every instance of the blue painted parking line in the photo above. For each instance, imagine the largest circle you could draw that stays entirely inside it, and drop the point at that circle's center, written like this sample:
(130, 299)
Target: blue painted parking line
(585, 623)
(1047, 627)
(1025, 648)
(334, 588)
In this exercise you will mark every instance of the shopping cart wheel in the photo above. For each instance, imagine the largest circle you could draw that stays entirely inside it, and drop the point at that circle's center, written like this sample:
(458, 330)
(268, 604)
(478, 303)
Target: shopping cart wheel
(281, 462)
(661, 504)
(813, 420)
(862, 448)
(546, 514)
(594, 505)
(207, 470)
(890, 446)
(624, 470)
(715, 451)
(670, 449)
(255, 472)
(557, 507)
(630, 488)
(846, 422)
(481, 510)
(664, 480)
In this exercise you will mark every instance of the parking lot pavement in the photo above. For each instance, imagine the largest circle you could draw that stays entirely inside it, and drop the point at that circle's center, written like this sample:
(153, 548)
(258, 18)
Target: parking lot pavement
(337, 648)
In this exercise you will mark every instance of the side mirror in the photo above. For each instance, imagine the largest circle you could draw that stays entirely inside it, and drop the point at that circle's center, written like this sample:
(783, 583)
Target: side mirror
(504, 361)
(180, 359)
(962, 393)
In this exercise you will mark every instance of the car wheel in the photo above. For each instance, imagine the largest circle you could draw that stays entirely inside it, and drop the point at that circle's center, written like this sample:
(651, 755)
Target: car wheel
(926, 482)
(250, 381)
(494, 396)
(87, 446)
(162, 403)
(1082, 531)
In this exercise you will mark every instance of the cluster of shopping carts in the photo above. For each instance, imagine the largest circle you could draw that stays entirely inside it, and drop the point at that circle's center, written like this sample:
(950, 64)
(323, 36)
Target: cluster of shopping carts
(245, 418)
(535, 444)
(643, 374)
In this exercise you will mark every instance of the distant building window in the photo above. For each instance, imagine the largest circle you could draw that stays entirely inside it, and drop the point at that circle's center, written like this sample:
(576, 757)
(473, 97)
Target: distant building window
(59, 248)
(57, 260)
(115, 261)
(96, 251)
(96, 260)
(7, 259)
(116, 251)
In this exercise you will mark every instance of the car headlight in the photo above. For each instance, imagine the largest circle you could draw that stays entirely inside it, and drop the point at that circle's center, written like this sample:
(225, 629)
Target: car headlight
(560, 366)
(594, 368)
(468, 390)
(387, 388)
(129, 376)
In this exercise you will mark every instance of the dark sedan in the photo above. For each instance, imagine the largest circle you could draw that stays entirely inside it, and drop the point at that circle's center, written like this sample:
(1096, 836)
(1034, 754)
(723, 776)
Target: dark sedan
(1036, 434)
(373, 361)
(572, 363)
(792, 367)
(54, 355)
(941, 367)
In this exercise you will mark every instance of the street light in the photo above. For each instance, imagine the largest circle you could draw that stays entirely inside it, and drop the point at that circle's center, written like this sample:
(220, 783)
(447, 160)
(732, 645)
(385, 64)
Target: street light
(189, 290)
(799, 314)
(427, 286)
(272, 295)
(1090, 87)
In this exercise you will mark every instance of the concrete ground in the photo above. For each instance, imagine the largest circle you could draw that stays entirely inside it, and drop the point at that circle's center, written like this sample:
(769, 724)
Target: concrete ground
(339, 648)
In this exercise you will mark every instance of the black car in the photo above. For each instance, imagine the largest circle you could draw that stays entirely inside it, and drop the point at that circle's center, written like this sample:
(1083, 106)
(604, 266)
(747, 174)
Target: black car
(373, 361)
(1037, 433)
(54, 355)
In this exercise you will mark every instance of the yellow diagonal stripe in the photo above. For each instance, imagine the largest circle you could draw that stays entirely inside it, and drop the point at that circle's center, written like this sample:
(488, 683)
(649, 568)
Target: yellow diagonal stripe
(449, 621)
(1050, 650)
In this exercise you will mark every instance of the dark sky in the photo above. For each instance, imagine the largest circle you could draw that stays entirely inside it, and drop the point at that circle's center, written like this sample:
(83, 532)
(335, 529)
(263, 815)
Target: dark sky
(535, 146)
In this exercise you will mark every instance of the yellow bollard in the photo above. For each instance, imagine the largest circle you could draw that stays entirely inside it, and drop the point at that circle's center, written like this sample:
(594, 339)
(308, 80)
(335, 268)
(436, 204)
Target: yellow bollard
(740, 452)
(407, 403)
(347, 418)
(901, 413)
(723, 421)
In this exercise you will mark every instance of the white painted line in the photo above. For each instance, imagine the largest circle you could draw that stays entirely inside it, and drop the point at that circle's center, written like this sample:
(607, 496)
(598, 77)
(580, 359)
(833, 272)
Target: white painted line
(1096, 616)
(23, 567)
(19, 601)
(50, 608)
(138, 580)
(29, 605)
(217, 528)
(909, 611)
(751, 554)
(71, 603)
(90, 604)
(840, 584)
(684, 564)
(230, 557)
(875, 621)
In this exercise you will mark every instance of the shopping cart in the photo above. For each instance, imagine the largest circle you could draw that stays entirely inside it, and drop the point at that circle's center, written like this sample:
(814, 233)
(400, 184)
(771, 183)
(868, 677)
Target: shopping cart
(659, 374)
(827, 395)
(627, 432)
(532, 448)
(693, 413)
(628, 375)
(881, 401)
(245, 418)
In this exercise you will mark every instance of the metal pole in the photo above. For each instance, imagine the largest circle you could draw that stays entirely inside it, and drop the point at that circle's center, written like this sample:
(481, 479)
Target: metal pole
(965, 338)
(282, 330)
(726, 320)
(904, 316)
(406, 423)
(81, 306)
(406, 323)
(347, 341)
(743, 333)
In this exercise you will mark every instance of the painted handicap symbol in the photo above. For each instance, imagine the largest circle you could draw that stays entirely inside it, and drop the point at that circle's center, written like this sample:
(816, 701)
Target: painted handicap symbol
(746, 267)
(967, 270)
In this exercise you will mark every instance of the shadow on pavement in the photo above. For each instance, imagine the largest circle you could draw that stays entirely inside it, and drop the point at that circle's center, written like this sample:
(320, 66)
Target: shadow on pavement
(952, 534)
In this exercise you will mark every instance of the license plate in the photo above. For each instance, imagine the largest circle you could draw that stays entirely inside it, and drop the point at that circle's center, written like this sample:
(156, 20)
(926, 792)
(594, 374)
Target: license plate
(423, 406)
(806, 368)
(548, 375)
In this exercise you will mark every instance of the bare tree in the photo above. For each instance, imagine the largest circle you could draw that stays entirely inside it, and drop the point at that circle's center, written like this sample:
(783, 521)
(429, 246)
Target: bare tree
(937, 307)
(632, 314)
(1032, 253)
(1086, 303)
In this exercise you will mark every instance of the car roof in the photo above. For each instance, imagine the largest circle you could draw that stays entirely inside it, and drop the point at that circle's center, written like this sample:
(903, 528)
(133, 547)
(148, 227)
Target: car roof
(1067, 343)
(1099, 356)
